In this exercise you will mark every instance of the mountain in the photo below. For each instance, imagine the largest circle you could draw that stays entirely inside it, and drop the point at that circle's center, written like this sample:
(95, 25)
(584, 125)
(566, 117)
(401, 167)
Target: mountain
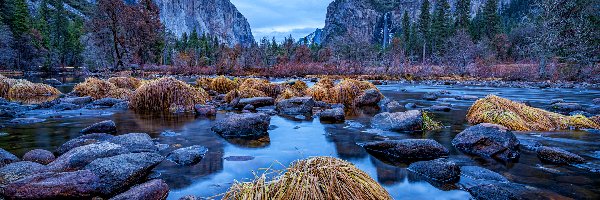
(313, 38)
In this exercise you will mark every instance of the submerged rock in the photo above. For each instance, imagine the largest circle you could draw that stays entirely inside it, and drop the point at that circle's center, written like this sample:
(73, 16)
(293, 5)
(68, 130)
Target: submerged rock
(156, 189)
(296, 106)
(558, 156)
(439, 170)
(393, 106)
(334, 115)
(488, 140)
(480, 173)
(107, 126)
(82, 141)
(430, 96)
(29, 120)
(398, 121)
(39, 156)
(188, 156)
(369, 97)
(80, 184)
(19, 170)
(407, 150)
(7, 157)
(205, 110)
(79, 157)
(77, 100)
(135, 142)
(243, 125)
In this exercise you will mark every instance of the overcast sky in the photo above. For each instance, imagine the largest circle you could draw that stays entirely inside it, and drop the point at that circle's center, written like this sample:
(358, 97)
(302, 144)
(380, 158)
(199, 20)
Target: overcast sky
(281, 18)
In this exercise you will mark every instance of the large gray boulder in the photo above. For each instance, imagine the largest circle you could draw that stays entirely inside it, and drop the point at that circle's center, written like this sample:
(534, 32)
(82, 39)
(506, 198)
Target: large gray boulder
(370, 97)
(82, 141)
(188, 156)
(122, 171)
(79, 157)
(81, 184)
(107, 126)
(155, 189)
(558, 156)
(438, 170)
(407, 150)
(243, 125)
(488, 140)
(332, 115)
(18, 170)
(398, 121)
(7, 157)
(296, 106)
(135, 142)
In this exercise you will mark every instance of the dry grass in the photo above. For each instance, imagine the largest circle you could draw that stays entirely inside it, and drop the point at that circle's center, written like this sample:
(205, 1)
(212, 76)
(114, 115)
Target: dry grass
(223, 85)
(167, 94)
(95, 88)
(7, 83)
(325, 83)
(345, 92)
(520, 117)
(287, 94)
(28, 92)
(204, 83)
(270, 89)
(430, 124)
(121, 93)
(314, 178)
(126, 82)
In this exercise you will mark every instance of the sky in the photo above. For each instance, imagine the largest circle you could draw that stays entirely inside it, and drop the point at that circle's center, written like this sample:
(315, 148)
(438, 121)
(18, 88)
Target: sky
(280, 18)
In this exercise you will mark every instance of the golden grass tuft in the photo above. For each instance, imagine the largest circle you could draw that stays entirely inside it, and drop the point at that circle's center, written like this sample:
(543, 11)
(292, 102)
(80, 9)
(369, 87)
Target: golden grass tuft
(223, 85)
(325, 83)
(270, 89)
(164, 94)
(244, 93)
(94, 87)
(120, 93)
(314, 178)
(7, 83)
(204, 83)
(345, 92)
(319, 93)
(126, 82)
(28, 92)
(430, 124)
(287, 94)
(520, 117)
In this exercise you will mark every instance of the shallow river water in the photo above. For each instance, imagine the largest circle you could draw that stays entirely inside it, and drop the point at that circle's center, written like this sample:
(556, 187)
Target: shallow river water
(291, 139)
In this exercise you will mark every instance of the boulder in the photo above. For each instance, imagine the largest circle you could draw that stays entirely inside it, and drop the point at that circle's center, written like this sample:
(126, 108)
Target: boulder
(506, 191)
(82, 141)
(393, 106)
(39, 156)
(430, 96)
(407, 150)
(7, 157)
(65, 106)
(242, 125)
(12, 110)
(410, 106)
(107, 126)
(566, 108)
(438, 170)
(135, 142)
(52, 82)
(188, 156)
(19, 170)
(122, 171)
(480, 173)
(106, 102)
(269, 110)
(122, 105)
(155, 189)
(488, 140)
(558, 156)
(398, 121)
(79, 157)
(256, 102)
(249, 107)
(296, 106)
(81, 184)
(369, 97)
(77, 100)
(555, 101)
(334, 115)
(205, 110)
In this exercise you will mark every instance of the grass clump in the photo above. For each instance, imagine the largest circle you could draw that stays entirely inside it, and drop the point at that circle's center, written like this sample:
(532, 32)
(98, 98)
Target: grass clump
(223, 85)
(430, 124)
(167, 94)
(204, 83)
(29, 92)
(520, 117)
(126, 82)
(95, 88)
(7, 83)
(345, 92)
(120, 93)
(321, 90)
(268, 88)
(314, 178)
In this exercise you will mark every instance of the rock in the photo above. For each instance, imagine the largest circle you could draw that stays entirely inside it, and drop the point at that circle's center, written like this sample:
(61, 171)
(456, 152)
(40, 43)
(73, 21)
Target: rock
(107, 126)
(566, 108)
(488, 140)
(205, 110)
(52, 82)
(506, 191)
(18, 170)
(39, 156)
(81, 184)
(135, 142)
(529, 145)
(82, 141)
(479, 173)
(558, 156)
(322, 104)
(7, 157)
(467, 97)
(407, 150)
(12, 110)
(439, 170)
(79, 157)
(296, 106)
(555, 101)
(393, 106)
(369, 97)
(269, 110)
(249, 107)
(189, 197)
(65, 106)
(596, 101)
(256, 102)
(155, 189)
(593, 110)
(77, 100)
(440, 108)
(124, 105)
(430, 96)
(446, 99)
(122, 171)
(399, 121)
(334, 115)
(242, 125)
(107, 102)
(188, 156)
(29, 120)
(410, 106)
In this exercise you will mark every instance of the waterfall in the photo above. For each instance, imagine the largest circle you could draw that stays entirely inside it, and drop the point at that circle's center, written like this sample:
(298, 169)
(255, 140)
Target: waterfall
(386, 30)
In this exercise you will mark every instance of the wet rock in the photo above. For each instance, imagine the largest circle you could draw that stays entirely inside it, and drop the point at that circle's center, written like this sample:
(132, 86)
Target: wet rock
(555, 101)
(256, 102)
(107, 126)
(80, 184)
(156, 189)
(29, 120)
(39, 156)
(439, 170)
(7, 157)
(406, 150)
(596, 101)
(393, 106)
(79, 157)
(296, 106)
(189, 197)
(398, 121)
(82, 141)
(52, 82)
(593, 110)
(467, 97)
(122, 171)
(18, 170)
(322, 104)
(124, 105)
(369, 97)
(530, 145)
(205, 110)
(440, 108)
(135, 142)
(430, 96)
(249, 107)
(488, 140)
(65, 106)
(269, 110)
(558, 156)
(506, 191)
(480, 173)
(77, 100)
(338, 105)
(566, 108)
(334, 115)
(188, 156)
(410, 106)
(106, 102)
(243, 125)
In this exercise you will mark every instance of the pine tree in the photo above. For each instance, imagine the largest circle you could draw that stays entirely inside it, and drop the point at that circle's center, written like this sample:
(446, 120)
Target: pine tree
(440, 26)
(491, 19)
(424, 26)
(406, 30)
(194, 42)
(476, 27)
(462, 15)
(20, 20)
(73, 44)
(60, 32)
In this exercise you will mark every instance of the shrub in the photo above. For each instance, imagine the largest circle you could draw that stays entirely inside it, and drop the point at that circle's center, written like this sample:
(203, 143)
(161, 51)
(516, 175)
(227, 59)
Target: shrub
(314, 178)
(166, 94)
(520, 117)
(429, 123)
(222, 85)
(94, 87)
(28, 92)
(126, 82)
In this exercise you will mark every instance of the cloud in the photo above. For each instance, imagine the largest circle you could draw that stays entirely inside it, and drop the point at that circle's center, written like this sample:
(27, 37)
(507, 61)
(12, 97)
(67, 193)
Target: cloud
(280, 18)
